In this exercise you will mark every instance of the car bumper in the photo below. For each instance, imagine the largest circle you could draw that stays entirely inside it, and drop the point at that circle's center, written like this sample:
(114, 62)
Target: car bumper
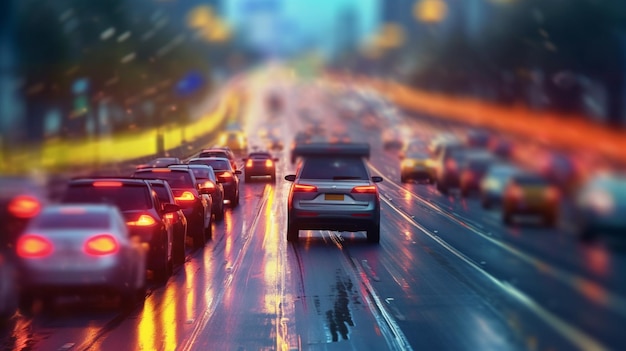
(260, 171)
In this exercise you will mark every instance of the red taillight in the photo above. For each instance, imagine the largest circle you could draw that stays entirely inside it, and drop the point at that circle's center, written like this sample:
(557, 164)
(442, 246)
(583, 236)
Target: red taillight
(249, 163)
(143, 221)
(451, 164)
(208, 185)
(269, 163)
(107, 184)
(103, 244)
(226, 176)
(552, 193)
(33, 246)
(186, 196)
(516, 191)
(24, 206)
(169, 216)
(304, 188)
(365, 189)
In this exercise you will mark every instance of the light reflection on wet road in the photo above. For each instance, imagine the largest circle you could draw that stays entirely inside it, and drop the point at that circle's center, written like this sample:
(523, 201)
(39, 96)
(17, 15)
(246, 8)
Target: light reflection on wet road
(447, 275)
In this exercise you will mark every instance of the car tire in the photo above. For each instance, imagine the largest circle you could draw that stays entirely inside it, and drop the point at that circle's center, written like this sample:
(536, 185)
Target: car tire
(248, 179)
(26, 303)
(293, 233)
(550, 221)
(273, 177)
(198, 236)
(373, 234)
(219, 214)
(442, 188)
(234, 201)
(464, 192)
(507, 218)
(486, 204)
(587, 235)
(178, 254)
(162, 273)
(402, 179)
(131, 298)
(208, 232)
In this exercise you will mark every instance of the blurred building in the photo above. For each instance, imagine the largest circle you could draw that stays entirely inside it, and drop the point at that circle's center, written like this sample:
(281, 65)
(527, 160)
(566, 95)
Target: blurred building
(10, 110)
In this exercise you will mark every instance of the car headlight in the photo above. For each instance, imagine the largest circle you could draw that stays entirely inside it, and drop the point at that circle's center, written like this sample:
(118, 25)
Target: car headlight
(600, 201)
(491, 184)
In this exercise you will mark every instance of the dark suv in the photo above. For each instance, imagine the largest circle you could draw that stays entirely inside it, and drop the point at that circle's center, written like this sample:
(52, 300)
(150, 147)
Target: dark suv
(226, 175)
(142, 210)
(196, 206)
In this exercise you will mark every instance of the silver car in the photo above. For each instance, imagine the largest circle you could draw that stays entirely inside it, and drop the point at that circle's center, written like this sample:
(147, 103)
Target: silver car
(600, 207)
(494, 182)
(333, 190)
(80, 249)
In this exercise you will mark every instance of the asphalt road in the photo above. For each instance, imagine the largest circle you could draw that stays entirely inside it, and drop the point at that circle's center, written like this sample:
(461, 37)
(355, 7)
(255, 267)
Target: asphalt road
(447, 275)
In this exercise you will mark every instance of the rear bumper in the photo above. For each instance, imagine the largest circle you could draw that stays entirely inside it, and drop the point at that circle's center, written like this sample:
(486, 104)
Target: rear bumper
(352, 221)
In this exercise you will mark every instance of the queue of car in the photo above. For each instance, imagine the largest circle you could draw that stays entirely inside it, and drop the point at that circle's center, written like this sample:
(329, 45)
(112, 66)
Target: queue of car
(479, 163)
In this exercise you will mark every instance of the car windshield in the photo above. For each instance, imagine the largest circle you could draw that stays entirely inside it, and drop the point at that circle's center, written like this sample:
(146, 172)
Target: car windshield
(176, 179)
(334, 168)
(213, 154)
(125, 197)
(59, 220)
(162, 193)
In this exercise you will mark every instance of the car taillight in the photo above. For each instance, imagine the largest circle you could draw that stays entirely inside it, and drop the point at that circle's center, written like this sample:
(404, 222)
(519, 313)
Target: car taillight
(33, 246)
(516, 191)
(107, 184)
(226, 176)
(304, 188)
(365, 189)
(169, 216)
(186, 196)
(451, 164)
(249, 163)
(24, 206)
(269, 163)
(99, 245)
(143, 221)
(552, 193)
(208, 185)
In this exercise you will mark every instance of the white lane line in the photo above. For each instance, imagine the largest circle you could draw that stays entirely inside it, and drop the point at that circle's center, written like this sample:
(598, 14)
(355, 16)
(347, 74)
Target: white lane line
(583, 286)
(188, 343)
(576, 336)
(389, 328)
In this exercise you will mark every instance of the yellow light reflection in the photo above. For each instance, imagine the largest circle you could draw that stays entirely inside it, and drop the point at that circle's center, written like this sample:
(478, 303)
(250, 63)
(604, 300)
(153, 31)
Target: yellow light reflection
(270, 259)
(430, 11)
(21, 333)
(190, 297)
(91, 332)
(228, 225)
(169, 321)
(146, 334)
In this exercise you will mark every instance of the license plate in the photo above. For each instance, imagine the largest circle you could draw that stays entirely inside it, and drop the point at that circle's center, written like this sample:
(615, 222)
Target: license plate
(333, 197)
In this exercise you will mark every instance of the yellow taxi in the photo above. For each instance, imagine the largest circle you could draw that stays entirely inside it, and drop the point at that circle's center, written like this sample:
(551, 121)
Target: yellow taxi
(236, 140)
(530, 194)
(416, 165)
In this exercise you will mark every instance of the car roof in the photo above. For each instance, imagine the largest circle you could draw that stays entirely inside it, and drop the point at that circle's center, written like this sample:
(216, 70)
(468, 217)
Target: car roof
(209, 158)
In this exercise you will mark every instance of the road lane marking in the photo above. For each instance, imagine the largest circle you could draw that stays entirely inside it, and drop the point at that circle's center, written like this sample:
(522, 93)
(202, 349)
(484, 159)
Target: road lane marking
(188, 343)
(610, 301)
(568, 331)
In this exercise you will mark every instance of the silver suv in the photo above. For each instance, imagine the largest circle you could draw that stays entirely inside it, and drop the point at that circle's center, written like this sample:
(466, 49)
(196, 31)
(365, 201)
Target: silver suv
(333, 190)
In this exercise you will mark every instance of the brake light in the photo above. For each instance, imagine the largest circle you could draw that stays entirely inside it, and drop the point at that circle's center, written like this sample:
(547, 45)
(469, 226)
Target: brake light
(365, 189)
(249, 163)
(269, 163)
(33, 246)
(24, 206)
(143, 221)
(516, 191)
(186, 196)
(161, 170)
(100, 245)
(107, 184)
(451, 164)
(169, 216)
(552, 193)
(207, 185)
(226, 175)
(304, 188)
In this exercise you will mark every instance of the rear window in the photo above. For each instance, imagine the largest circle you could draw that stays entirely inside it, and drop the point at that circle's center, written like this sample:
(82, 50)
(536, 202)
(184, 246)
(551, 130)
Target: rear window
(260, 156)
(213, 154)
(218, 165)
(161, 162)
(175, 179)
(334, 168)
(162, 193)
(56, 220)
(126, 197)
(201, 173)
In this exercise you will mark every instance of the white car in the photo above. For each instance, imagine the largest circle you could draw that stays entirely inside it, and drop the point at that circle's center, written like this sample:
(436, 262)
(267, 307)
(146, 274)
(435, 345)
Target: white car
(80, 249)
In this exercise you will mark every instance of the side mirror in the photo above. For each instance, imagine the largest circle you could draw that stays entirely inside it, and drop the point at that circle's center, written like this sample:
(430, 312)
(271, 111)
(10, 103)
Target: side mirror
(169, 208)
(238, 171)
(290, 177)
(377, 179)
